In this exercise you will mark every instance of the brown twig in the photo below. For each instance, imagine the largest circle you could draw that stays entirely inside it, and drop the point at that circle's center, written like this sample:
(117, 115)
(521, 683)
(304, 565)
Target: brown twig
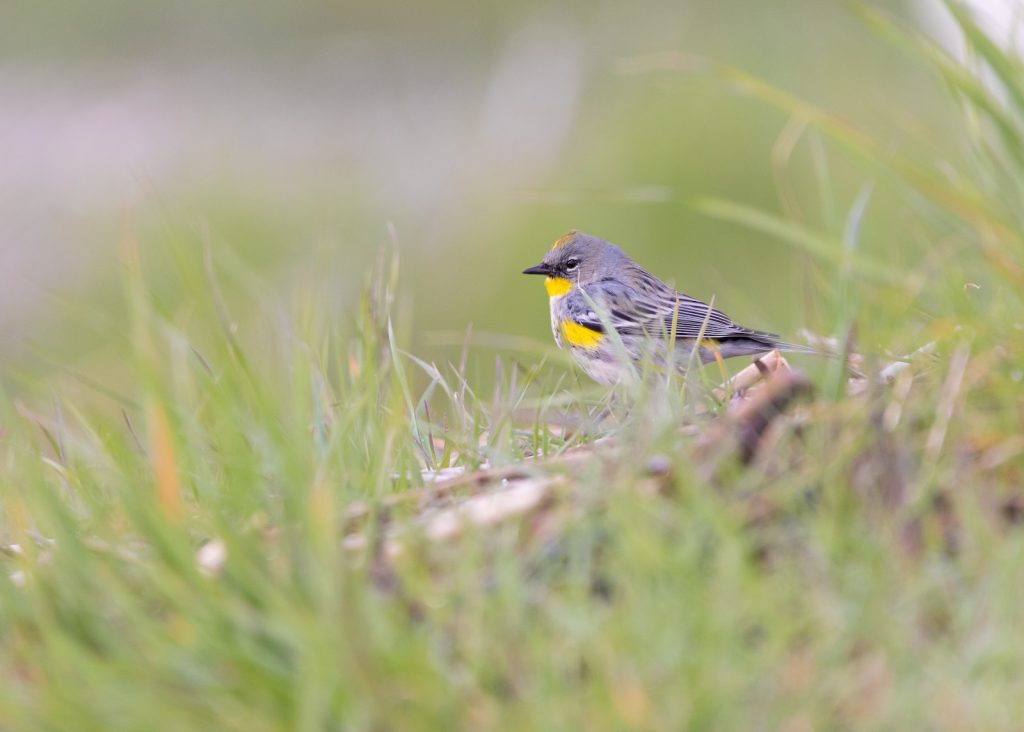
(741, 429)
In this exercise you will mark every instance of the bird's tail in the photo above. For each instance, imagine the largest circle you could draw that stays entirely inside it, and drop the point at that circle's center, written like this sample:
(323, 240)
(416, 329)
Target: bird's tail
(794, 348)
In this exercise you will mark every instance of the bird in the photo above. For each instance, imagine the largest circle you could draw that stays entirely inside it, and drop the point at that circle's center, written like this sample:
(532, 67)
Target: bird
(612, 314)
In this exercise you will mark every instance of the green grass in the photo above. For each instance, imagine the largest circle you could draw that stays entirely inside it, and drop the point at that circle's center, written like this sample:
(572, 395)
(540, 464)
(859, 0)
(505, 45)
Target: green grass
(863, 573)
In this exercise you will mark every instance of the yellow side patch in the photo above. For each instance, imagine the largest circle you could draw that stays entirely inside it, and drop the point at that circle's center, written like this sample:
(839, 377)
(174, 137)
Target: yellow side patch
(564, 239)
(580, 335)
(557, 286)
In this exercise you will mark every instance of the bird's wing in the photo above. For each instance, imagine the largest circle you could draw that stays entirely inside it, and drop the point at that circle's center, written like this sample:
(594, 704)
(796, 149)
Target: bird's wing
(656, 313)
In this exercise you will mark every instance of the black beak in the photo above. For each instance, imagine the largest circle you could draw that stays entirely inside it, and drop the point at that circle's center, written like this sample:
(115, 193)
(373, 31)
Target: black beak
(538, 269)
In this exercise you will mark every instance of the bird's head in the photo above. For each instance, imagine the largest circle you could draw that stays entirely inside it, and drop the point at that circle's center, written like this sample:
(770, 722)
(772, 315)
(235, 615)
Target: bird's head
(577, 259)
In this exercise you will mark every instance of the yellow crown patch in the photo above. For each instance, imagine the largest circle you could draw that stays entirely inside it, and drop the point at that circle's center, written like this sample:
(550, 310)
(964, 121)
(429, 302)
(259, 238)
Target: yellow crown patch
(564, 239)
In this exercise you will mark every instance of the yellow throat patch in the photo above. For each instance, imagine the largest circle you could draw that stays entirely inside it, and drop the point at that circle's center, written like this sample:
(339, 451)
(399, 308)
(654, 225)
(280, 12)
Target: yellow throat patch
(581, 336)
(557, 286)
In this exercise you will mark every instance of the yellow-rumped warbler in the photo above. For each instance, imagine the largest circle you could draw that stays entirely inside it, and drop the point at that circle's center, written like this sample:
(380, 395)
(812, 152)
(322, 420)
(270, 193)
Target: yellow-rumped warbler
(593, 286)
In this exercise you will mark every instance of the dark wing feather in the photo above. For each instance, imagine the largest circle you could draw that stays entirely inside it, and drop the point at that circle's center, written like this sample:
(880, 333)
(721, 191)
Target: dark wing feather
(651, 313)
(580, 309)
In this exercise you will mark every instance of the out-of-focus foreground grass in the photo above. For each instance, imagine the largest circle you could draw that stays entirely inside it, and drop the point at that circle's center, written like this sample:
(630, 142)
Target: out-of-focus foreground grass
(178, 563)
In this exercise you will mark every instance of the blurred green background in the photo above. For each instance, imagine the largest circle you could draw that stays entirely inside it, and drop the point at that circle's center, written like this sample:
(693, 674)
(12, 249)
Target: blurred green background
(299, 139)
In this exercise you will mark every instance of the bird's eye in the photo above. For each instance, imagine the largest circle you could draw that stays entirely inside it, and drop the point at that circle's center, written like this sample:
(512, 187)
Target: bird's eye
(571, 264)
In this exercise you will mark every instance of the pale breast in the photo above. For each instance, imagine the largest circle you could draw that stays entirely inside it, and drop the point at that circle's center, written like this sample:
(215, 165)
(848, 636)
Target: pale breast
(602, 366)
(556, 331)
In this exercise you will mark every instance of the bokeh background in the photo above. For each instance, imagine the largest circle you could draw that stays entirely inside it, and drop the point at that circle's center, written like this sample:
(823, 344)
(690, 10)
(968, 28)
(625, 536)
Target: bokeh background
(298, 139)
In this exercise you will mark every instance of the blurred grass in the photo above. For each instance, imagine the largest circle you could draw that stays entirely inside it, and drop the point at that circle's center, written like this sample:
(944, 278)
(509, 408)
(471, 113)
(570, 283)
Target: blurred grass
(294, 140)
(880, 591)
